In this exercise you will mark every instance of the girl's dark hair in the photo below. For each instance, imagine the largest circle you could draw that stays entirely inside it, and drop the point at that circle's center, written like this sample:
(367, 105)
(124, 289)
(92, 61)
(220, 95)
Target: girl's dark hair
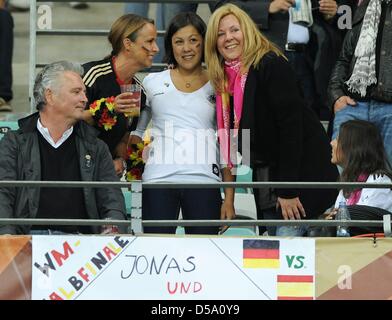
(362, 149)
(182, 20)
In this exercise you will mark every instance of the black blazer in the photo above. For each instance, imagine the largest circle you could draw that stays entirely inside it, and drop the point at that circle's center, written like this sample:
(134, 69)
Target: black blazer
(284, 134)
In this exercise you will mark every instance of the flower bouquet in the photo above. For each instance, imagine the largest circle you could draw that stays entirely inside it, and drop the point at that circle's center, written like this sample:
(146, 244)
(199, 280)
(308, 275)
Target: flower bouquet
(103, 112)
(135, 162)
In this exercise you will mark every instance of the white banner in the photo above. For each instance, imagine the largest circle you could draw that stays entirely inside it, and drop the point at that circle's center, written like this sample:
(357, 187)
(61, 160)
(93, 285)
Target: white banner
(117, 267)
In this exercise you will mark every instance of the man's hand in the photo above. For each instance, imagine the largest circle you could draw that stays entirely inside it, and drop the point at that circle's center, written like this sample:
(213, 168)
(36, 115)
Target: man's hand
(109, 229)
(328, 8)
(292, 209)
(342, 102)
(280, 6)
(119, 166)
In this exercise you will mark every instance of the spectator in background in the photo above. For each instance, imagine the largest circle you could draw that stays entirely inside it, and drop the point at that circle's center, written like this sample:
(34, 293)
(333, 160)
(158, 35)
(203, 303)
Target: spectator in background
(54, 145)
(6, 48)
(257, 90)
(307, 32)
(361, 82)
(24, 5)
(133, 40)
(181, 98)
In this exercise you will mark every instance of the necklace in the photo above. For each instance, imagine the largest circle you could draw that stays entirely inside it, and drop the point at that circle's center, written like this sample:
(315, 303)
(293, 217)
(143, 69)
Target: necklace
(188, 83)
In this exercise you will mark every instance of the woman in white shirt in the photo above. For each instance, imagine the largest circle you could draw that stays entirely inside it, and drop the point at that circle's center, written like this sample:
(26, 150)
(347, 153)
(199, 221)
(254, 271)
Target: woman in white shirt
(359, 150)
(181, 104)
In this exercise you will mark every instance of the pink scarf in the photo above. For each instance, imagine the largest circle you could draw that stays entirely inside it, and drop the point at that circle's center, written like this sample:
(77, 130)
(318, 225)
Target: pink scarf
(356, 195)
(235, 87)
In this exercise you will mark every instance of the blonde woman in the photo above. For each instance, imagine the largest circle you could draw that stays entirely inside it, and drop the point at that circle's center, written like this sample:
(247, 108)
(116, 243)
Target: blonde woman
(257, 90)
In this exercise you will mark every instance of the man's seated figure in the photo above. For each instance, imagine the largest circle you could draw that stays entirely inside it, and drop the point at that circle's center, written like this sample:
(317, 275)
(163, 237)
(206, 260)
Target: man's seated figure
(54, 144)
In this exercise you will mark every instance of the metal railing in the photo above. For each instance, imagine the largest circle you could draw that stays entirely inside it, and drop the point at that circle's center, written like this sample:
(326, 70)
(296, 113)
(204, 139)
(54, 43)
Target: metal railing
(137, 222)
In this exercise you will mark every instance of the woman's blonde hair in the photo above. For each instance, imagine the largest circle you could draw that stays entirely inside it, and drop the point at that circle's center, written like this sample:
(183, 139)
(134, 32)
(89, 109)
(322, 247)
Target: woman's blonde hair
(127, 26)
(255, 44)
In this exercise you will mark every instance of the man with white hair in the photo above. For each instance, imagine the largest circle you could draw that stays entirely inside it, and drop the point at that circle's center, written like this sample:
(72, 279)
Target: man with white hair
(53, 144)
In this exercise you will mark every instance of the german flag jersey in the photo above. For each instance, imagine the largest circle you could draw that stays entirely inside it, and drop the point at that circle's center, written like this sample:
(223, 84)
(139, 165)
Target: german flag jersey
(101, 81)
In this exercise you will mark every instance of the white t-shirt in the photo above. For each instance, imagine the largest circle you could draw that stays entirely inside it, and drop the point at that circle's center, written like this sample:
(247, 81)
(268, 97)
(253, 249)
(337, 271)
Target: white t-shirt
(380, 198)
(184, 143)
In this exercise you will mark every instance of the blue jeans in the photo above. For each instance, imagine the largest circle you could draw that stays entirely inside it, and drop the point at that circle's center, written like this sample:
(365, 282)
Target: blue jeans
(141, 9)
(195, 204)
(380, 113)
(280, 231)
(291, 231)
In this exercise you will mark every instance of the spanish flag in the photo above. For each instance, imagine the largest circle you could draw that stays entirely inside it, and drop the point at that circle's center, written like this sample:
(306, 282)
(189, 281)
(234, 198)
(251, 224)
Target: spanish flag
(261, 254)
(295, 287)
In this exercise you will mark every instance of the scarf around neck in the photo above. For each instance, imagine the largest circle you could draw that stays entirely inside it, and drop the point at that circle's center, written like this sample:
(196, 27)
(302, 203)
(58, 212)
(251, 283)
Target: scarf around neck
(235, 87)
(364, 72)
(356, 195)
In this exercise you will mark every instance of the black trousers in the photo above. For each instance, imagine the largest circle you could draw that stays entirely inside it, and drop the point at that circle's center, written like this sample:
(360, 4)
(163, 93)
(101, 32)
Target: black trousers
(6, 49)
(195, 204)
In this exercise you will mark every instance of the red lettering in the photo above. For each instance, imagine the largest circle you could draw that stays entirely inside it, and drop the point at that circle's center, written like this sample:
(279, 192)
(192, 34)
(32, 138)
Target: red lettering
(59, 257)
(55, 296)
(108, 252)
(83, 274)
(171, 291)
(183, 289)
(198, 285)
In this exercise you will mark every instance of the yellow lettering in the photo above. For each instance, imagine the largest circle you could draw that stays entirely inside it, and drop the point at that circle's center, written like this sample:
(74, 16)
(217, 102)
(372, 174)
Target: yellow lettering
(67, 295)
(91, 269)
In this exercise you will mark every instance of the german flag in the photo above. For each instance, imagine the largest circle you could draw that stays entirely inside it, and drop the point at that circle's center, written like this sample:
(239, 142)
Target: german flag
(295, 287)
(261, 254)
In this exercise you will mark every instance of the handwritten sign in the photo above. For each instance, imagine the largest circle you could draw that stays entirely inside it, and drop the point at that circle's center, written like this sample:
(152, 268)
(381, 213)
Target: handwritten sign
(117, 267)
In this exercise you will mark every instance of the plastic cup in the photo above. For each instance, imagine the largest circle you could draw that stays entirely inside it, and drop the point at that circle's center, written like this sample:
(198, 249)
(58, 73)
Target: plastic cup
(135, 90)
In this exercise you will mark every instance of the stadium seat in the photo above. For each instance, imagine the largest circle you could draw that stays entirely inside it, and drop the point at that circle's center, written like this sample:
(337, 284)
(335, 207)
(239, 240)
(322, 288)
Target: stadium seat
(244, 175)
(242, 231)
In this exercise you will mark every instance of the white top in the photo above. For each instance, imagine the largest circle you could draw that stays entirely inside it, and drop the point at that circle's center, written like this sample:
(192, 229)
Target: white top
(184, 144)
(45, 133)
(380, 198)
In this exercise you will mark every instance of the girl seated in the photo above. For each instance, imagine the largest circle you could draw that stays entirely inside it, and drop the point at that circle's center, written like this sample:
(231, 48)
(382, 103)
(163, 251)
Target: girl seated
(359, 150)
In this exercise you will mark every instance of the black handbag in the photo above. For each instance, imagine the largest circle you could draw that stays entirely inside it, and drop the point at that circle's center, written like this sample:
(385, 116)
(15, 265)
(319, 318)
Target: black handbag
(357, 212)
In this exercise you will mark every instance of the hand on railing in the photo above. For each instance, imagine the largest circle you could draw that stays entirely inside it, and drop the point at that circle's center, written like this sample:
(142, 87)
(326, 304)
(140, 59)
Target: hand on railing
(109, 228)
(227, 213)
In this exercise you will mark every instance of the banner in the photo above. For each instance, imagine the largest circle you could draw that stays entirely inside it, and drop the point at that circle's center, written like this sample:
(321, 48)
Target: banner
(15, 267)
(96, 267)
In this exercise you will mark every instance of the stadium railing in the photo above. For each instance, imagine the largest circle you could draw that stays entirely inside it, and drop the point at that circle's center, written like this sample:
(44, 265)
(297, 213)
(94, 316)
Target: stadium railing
(137, 223)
